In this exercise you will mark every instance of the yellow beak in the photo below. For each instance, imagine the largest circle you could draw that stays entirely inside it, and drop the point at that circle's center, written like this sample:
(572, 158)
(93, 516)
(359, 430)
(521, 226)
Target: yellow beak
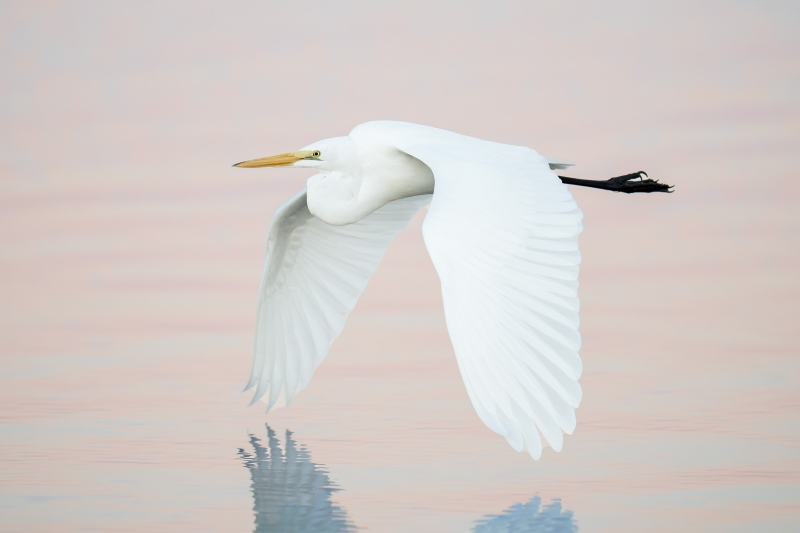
(280, 160)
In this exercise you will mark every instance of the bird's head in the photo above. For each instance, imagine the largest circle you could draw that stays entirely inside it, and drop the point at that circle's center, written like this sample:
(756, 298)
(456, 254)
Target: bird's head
(336, 154)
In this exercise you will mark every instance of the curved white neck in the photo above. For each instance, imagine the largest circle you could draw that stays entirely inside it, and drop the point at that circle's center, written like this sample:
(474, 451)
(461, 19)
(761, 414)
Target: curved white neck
(386, 174)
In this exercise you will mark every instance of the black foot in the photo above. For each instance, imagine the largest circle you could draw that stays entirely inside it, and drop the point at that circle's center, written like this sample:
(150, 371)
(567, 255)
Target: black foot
(628, 183)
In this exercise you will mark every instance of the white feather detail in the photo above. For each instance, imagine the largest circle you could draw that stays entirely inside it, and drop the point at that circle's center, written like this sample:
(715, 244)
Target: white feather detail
(313, 275)
(502, 232)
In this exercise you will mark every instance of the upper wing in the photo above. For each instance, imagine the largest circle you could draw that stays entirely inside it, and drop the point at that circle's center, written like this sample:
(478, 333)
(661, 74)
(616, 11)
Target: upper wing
(313, 276)
(502, 232)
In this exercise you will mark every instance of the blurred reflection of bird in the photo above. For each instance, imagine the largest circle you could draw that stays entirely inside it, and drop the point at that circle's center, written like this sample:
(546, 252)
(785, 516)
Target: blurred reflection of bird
(292, 494)
(531, 517)
(502, 232)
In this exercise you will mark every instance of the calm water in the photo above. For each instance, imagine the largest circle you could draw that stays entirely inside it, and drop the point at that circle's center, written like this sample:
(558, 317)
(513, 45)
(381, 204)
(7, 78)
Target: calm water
(120, 409)
(130, 256)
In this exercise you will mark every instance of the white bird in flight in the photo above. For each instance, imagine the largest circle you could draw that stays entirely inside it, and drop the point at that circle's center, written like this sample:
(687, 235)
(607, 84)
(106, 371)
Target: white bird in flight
(502, 232)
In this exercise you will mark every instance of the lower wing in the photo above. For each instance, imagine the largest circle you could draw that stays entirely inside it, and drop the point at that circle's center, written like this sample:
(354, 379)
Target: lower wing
(313, 275)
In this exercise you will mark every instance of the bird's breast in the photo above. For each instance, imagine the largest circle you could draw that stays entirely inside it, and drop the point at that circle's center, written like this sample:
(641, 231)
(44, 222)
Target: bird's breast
(333, 198)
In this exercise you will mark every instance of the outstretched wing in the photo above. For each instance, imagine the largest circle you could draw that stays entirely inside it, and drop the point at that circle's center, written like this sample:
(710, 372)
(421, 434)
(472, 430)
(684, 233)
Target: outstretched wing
(313, 276)
(502, 232)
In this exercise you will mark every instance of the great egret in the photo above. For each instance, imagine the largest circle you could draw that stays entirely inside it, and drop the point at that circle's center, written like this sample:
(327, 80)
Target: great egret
(502, 232)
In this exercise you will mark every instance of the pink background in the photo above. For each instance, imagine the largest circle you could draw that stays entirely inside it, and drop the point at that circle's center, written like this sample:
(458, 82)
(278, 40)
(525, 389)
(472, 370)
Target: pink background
(130, 257)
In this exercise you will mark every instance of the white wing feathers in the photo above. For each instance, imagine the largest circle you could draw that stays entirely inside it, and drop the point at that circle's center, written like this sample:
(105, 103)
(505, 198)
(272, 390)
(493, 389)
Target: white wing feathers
(502, 233)
(313, 276)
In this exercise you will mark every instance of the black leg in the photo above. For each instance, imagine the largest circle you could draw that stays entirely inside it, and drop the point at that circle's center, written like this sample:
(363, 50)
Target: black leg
(628, 183)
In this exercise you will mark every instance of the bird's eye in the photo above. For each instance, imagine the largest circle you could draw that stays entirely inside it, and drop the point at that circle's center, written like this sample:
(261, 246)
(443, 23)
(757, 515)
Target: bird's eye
(316, 153)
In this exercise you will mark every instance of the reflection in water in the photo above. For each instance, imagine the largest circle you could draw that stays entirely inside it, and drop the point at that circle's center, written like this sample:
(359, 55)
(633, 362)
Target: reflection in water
(291, 493)
(529, 517)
